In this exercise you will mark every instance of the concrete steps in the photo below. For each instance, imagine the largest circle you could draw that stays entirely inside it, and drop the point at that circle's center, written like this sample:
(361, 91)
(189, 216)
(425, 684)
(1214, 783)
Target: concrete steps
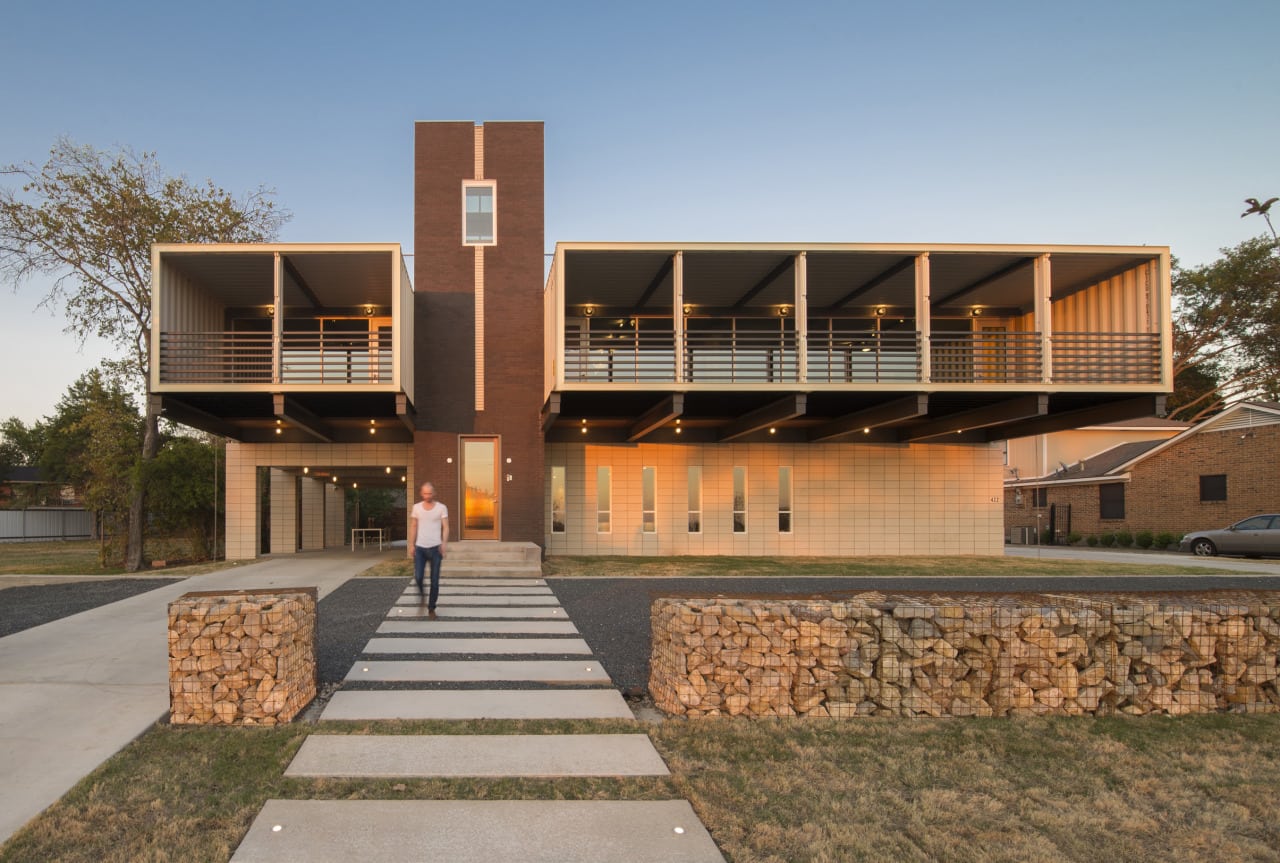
(486, 610)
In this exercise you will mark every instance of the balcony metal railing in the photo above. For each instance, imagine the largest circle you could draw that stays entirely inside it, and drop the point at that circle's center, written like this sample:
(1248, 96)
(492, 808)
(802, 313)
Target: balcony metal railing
(742, 351)
(629, 356)
(245, 358)
(862, 356)
(986, 357)
(215, 358)
(740, 356)
(1106, 358)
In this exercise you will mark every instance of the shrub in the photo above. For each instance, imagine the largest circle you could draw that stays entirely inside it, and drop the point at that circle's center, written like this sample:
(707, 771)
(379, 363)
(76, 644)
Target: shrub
(1124, 538)
(1073, 538)
(1046, 537)
(1164, 540)
(1092, 541)
(1144, 539)
(1107, 540)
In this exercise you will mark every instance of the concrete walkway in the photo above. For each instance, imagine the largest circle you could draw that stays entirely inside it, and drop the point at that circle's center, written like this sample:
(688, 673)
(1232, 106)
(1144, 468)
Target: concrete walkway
(1217, 564)
(73, 692)
(488, 633)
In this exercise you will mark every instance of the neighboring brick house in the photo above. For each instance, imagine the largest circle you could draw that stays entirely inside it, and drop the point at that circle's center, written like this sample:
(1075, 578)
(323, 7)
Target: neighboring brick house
(1211, 475)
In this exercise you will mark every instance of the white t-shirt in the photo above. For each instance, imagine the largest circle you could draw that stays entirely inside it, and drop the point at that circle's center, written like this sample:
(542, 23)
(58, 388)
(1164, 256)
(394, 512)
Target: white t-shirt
(429, 534)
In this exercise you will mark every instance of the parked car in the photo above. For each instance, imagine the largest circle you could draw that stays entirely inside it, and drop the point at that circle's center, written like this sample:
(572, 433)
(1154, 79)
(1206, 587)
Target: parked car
(1257, 534)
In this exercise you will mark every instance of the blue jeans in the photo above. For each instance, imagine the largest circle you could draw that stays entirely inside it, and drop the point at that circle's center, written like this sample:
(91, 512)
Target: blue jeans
(420, 558)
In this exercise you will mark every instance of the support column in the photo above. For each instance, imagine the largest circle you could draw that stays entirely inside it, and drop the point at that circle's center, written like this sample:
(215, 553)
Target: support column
(1043, 286)
(313, 514)
(243, 505)
(924, 312)
(284, 512)
(335, 517)
(677, 308)
(801, 305)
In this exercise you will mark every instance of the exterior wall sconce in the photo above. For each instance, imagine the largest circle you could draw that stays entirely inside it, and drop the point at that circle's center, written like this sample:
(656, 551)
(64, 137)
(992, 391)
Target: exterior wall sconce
(368, 311)
(271, 311)
(688, 309)
(880, 311)
(783, 311)
(588, 311)
(976, 311)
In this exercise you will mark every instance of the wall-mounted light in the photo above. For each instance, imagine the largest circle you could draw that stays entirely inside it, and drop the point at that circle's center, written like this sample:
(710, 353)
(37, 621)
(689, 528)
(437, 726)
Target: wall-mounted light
(335, 477)
(588, 311)
(975, 311)
(368, 311)
(388, 469)
(306, 470)
(449, 460)
(880, 311)
(688, 309)
(508, 459)
(271, 311)
(783, 311)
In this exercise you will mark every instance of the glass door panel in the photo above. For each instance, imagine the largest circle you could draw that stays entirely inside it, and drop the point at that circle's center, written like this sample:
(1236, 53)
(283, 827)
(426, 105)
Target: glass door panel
(480, 488)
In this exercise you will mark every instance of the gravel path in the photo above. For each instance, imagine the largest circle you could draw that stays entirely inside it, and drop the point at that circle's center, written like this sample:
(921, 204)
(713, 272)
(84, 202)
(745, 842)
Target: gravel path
(24, 607)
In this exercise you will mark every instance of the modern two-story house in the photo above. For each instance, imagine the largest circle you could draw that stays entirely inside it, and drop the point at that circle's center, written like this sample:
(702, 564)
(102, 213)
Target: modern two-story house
(644, 398)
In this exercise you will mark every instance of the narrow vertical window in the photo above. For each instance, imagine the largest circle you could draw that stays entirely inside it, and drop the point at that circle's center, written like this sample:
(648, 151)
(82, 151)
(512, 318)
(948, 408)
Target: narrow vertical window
(784, 500)
(648, 500)
(479, 219)
(557, 499)
(604, 501)
(695, 499)
(739, 500)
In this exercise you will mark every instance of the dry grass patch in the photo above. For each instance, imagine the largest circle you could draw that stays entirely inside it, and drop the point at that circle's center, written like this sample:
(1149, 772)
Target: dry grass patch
(983, 790)
(80, 557)
(1197, 788)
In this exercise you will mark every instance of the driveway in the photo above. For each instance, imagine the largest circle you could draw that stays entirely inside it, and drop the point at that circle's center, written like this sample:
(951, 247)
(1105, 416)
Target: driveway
(1268, 566)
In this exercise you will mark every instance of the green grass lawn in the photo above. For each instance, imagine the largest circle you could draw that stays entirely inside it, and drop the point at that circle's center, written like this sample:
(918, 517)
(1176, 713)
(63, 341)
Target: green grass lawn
(1080, 789)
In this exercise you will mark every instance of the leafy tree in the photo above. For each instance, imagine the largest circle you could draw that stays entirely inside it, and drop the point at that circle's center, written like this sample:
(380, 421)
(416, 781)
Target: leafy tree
(108, 464)
(1227, 329)
(88, 218)
(21, 446)
(180, 490)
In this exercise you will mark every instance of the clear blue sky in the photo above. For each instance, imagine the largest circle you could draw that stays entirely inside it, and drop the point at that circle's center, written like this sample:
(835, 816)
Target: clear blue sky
(1083, 122)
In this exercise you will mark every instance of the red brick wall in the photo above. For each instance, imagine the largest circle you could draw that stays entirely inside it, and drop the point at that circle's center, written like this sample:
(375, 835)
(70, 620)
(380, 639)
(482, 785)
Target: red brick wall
(444, 343)
(1164, 492)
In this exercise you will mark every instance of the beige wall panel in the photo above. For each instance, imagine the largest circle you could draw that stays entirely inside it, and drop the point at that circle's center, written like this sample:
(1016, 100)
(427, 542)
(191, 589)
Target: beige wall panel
(243, 506)
(847, 499)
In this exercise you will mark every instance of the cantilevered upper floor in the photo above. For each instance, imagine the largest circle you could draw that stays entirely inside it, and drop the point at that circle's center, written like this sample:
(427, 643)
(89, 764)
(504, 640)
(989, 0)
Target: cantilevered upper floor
(897, 342)
(284, 342)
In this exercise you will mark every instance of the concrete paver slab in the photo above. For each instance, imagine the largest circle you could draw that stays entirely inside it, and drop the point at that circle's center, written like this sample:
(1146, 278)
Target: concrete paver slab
(480, 590)
(530, 831)
(402, 755)
(478, 704)
(478, 645)
(486, 600)
(491, 582)
(485, 627)
(480, 611)
(555, 671)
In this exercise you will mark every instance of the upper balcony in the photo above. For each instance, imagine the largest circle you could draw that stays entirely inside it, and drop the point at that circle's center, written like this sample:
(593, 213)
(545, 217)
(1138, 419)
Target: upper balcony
(299, 342)
(819, 342)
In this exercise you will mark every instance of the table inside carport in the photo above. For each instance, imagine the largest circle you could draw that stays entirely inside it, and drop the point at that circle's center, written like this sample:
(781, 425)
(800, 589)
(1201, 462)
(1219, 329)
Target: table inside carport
(363, 533)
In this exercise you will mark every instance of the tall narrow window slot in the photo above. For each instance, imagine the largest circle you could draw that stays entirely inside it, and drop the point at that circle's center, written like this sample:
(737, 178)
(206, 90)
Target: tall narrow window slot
(695, 499)
(784, 500)
(604, 500)
(479, 213)
(739, 500)
(557, 499)
(648, 500)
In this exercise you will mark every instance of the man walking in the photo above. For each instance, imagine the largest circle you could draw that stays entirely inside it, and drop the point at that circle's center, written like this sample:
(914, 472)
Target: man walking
(430, 529)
